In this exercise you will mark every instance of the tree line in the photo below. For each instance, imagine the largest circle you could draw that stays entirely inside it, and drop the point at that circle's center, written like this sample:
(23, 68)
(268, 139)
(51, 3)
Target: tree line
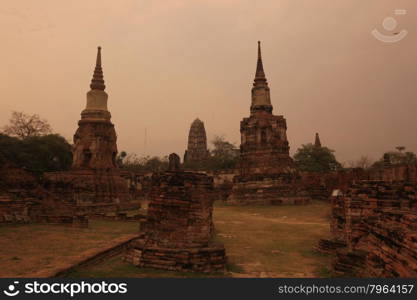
(223, 156)
(28, 142)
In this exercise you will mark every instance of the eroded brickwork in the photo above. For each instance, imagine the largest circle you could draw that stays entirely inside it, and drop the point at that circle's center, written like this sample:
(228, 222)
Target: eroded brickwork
(267, 173)
(400, 172)
(24, 200)
(321, 185)
(177, 234)
(374, 230)
(196, 153)
(94, 184)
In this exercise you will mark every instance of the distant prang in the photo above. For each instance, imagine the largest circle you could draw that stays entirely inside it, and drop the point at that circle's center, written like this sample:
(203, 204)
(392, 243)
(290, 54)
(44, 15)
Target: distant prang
(317, 142)
(197, 151)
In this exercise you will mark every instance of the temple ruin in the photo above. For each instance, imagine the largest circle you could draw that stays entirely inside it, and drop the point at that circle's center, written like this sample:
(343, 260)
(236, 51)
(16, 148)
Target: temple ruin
(317, 142)
(196, 153)
(24, 200)
(266, 171)
(373, 226)
(177, 233)
(94, 183)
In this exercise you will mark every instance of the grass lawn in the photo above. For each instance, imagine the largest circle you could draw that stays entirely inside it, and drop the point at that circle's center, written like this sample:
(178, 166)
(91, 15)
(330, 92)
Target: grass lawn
(274, 241)
(28, 249)
(260, 241)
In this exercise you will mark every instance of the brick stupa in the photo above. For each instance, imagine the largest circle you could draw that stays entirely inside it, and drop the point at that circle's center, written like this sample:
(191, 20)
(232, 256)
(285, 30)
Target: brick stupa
(266, 171)
(94, 182)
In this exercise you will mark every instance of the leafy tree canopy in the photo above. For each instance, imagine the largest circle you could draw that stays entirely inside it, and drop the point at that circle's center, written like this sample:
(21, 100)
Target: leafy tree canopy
(37, 153)
(316, 159)
(223, 156)
(396, 158)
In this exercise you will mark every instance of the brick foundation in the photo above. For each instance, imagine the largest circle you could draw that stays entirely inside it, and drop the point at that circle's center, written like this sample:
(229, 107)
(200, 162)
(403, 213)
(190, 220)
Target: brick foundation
(376, 221)
(177, 233)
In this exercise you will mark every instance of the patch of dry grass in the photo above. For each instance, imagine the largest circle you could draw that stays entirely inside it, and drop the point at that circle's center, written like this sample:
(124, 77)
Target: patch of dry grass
(27, 249)
(261, 241)
(274, 241)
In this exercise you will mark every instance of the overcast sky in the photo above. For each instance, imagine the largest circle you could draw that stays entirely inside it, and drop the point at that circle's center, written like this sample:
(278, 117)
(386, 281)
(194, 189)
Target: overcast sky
(168, 62)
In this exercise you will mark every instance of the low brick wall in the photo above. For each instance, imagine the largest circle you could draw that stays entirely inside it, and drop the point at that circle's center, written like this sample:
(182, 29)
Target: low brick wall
(203, 260)
(38, 211)
(282, 189)
(374, 229)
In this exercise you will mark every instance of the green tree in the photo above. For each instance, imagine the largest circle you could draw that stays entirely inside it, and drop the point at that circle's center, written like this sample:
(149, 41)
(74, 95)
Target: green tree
(396, 158)
(316, 159)
(37, 153)
(223, 156)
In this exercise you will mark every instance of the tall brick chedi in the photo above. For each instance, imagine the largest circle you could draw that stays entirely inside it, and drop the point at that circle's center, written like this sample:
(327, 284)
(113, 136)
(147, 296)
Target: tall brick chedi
(95, 139)
(94, 182)
(264, 145)
(196, 152)
(266, 170)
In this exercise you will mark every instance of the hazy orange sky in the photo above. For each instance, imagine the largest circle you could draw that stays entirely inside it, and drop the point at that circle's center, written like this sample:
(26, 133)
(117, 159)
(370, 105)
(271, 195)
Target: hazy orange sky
(167, 62)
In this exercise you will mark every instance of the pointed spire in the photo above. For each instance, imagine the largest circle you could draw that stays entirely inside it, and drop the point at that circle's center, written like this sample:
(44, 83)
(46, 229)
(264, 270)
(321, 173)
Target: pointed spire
(97, 83)
(317, 142)
(260, 91)
(260, 74)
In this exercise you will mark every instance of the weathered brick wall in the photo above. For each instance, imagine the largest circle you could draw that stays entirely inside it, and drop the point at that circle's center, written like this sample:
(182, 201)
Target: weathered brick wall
(12, 211)
(321, 185)
(23, 200)
(177, 233)
(180, 210)
(401, 172)
(374, 230)
(268, 189)
(202, 260)
(92, 191)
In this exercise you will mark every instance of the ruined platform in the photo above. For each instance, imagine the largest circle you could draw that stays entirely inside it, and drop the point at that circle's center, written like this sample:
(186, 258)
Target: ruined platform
(278, 189)
(177, 233)
(24, 200)
(202, 260)
(92, 191)
(376, 220)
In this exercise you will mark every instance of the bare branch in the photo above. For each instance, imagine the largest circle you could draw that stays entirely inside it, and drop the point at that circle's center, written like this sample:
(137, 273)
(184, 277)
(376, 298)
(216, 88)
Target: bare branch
(22, 125)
